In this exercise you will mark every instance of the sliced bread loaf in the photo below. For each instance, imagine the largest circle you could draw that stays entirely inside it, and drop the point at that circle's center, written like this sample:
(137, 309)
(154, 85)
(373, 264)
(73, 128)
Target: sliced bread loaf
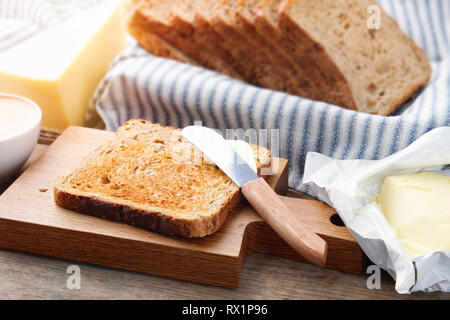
(360, 61)
(148, 176)
(203, 24)
(322, 49)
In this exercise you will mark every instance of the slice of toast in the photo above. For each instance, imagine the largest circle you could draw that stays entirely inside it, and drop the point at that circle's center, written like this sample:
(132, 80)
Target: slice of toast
(150, 176)
(359, 59)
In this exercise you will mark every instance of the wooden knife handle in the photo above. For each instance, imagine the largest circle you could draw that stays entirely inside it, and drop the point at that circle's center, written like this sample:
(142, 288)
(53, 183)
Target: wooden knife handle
(275, 212)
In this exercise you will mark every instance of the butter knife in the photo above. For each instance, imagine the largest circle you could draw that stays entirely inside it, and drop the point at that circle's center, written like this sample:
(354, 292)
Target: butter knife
(259, 194)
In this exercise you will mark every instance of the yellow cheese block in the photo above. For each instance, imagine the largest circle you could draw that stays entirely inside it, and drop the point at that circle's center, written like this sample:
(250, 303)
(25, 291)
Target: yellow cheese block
(418, 208)
(60, 68)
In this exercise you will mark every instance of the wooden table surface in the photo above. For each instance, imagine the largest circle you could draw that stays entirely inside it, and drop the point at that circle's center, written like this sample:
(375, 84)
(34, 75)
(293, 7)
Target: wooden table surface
(26, 276)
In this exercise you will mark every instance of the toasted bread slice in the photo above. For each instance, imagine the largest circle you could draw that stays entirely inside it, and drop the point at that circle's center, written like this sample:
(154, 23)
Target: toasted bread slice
(149, 176)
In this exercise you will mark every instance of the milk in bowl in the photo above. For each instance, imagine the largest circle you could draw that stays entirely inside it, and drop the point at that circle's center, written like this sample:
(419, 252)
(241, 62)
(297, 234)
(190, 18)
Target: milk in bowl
(20, 124)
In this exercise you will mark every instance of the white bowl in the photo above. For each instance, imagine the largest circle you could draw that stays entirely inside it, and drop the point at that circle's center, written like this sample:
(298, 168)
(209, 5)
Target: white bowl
(15, 149)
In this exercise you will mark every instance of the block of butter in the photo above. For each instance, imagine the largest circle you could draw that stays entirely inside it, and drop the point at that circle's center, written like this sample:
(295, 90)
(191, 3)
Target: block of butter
(60, 68)
(418, 207)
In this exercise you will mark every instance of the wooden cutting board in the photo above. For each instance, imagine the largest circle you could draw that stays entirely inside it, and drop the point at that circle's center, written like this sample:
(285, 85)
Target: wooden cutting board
(31, 222)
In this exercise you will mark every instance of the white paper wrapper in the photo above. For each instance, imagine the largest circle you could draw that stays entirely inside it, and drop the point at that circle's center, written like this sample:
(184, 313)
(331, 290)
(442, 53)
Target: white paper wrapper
(350, 186)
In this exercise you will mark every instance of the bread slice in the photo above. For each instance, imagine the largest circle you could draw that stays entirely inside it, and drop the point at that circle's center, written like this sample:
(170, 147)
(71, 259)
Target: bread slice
(148, 176)
(138, 28)
(260, 70)
(156, 15)
(358, 61)
(182, 18)
(243, 16)
(202, 23)
(324, 81)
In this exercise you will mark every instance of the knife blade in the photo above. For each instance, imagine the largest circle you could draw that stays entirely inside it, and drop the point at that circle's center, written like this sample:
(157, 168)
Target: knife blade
(216, 148)
(258, 193)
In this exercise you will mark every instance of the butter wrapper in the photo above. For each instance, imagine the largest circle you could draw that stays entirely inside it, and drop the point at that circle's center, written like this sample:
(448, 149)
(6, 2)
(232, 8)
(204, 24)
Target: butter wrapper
(351, 186)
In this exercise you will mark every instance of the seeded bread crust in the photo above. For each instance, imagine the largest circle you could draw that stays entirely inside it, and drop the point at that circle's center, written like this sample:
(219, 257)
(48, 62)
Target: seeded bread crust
(136, 179)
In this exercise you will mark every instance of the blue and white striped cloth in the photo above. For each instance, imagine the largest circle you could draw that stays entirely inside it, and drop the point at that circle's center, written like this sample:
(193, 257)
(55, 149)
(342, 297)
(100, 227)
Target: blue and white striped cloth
(140, 85)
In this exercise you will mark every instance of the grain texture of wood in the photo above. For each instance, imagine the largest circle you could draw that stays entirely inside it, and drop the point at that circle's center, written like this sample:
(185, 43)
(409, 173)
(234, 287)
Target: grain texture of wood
(47, 138)
(284, 222)
(27, 276)
(31, 222)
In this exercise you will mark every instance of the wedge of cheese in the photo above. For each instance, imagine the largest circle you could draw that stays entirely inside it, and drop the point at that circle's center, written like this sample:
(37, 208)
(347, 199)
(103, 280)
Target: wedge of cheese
(418, 208)
(60, 68)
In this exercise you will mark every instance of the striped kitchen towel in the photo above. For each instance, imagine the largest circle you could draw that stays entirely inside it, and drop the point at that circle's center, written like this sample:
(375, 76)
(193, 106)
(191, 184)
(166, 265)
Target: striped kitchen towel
(140, 85)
